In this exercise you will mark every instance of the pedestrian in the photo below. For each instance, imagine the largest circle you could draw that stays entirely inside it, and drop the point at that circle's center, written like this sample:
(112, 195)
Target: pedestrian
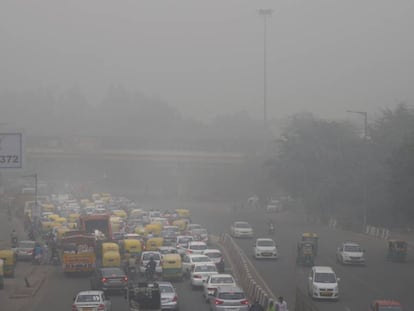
(271, 306)
(256, 306)
(281, 304)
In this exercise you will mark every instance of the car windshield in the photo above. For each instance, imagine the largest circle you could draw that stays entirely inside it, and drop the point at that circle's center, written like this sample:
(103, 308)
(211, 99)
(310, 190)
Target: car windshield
(206, 268)
(389, 308)
(213, 255)
(198, 247)
(26, 245)
(166, 289)
(88, 298)
(352, 248)
(325, 277)
(112, 272)
(265, 243)
(222, 280)
(242, 225)
(201, 259)
(148, 256)
(184, 240)
(232, 296)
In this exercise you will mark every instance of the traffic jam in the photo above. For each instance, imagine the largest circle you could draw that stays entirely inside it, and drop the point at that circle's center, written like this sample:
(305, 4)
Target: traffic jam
(141, 254)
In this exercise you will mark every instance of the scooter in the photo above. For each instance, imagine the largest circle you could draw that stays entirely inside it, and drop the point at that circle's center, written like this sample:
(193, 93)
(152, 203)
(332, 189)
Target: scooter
(271, 229)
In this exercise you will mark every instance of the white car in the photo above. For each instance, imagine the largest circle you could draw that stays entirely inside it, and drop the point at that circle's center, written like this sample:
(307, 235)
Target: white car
(190, 260)
(193, 226)
(182, 243)
(240, 229)
(214, 281)
(265, 248)
(214, 254)
(350, 253)
(93, 300)
(145, 258)
(200, 272)
(323, 283)
(196, 247)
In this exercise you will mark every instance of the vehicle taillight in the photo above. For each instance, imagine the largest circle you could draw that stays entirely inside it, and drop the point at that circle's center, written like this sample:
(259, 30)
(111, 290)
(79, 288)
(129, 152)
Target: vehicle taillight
(74, 308)
(125, 279)
(101, 307)
(196, 276)
(244, 302)
(210, 289)
(175, 299)
(218, 302)
(104, 280)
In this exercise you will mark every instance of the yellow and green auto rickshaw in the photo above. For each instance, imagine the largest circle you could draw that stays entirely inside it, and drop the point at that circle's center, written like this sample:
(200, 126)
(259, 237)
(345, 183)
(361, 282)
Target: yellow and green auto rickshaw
(111, 259)
(133, 247)
(1, 274)
(154, 228)
(181, 224)
(172, 268)
(9, 262)
(154, 243)
(110, 247)
(397, 250)
(311, 238)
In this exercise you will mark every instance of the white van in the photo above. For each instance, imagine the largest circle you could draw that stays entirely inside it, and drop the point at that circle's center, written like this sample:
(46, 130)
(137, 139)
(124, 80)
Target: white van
(323, 283)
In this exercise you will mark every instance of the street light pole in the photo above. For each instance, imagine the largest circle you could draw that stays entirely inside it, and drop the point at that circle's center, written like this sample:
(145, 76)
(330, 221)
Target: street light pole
(36, 206)
(364, 114)
(266, 13)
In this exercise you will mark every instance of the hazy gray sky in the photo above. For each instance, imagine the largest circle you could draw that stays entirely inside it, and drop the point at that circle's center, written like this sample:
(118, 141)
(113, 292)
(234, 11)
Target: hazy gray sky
(205, 57)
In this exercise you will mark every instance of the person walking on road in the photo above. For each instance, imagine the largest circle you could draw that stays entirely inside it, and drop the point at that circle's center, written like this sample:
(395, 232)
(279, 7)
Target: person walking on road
(281, 304)
(256, 306)
(271, 306)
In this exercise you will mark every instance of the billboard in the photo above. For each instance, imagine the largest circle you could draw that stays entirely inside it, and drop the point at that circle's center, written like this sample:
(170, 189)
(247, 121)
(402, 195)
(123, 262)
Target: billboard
(11, 150)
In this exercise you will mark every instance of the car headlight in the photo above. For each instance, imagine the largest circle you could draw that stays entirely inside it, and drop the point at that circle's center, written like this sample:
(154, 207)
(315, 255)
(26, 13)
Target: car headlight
(336, 289)
(315, 288)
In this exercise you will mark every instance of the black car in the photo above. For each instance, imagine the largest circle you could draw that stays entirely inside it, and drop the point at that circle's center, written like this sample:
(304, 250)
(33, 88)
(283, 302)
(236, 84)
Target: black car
(109, 279)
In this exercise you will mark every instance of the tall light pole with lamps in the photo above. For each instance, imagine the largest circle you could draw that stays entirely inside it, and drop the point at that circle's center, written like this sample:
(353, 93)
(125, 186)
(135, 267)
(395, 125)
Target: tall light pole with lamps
(36, 212)
(266, 13)
(364, 114)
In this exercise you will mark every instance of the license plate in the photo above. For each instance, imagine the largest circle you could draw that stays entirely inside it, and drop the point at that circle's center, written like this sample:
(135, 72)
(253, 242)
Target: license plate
(326, 294)
(88, 309)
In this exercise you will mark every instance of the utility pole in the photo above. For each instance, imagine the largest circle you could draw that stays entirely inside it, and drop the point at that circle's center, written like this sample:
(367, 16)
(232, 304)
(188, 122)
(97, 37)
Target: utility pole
(266, 13)
(364, 114)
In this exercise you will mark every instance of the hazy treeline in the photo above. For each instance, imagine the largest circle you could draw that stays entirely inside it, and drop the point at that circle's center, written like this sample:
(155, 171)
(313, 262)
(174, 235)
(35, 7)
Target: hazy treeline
(330, 168)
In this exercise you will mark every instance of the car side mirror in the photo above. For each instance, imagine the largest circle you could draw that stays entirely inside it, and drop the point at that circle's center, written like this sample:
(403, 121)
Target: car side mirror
(310, 278)
(338, 279)
(74, 298)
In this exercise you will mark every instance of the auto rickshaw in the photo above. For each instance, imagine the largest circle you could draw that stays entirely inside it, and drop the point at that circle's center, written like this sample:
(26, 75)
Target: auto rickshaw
(181, 224)
(72, 225)
(9, 262)
(139, 230)
(61, 220)
(47, 226)
(154, 243)
(109, 247)
(311, 238)
(155, 228)
(397, 250)
(53, 217)
(1, 274)
(73, 217)
(111, 259)
(132, 246)
(120, 213)
(305, 254)
(172, 267)
(181, 212)
(48, 208)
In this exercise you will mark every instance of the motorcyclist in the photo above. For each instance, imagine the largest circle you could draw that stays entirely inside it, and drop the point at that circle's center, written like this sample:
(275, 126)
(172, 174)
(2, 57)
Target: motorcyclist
(281, 304)
(271, 226)
(13, 237)
(150, 267)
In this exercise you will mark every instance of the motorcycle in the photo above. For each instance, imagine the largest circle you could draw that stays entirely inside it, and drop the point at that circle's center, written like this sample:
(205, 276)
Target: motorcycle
(149, 274)
(271, 229)
(14, 242)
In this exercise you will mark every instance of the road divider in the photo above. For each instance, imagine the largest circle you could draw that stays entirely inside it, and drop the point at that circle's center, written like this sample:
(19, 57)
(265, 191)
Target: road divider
(245, 272)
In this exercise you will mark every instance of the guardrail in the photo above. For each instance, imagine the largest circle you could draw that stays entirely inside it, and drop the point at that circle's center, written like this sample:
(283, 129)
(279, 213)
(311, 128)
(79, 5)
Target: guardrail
(249, 279)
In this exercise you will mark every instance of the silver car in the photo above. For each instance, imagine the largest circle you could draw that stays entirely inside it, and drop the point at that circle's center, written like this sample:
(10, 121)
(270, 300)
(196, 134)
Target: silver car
(93, 300)
(228, 298)
(24, 250)
(169, 297)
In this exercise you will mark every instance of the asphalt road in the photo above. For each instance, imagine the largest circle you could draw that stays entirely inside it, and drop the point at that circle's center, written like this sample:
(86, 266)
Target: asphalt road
(359, 285)
(379, 279)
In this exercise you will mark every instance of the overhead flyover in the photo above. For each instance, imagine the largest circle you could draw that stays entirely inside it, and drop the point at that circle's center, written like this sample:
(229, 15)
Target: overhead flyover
(162, 156)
